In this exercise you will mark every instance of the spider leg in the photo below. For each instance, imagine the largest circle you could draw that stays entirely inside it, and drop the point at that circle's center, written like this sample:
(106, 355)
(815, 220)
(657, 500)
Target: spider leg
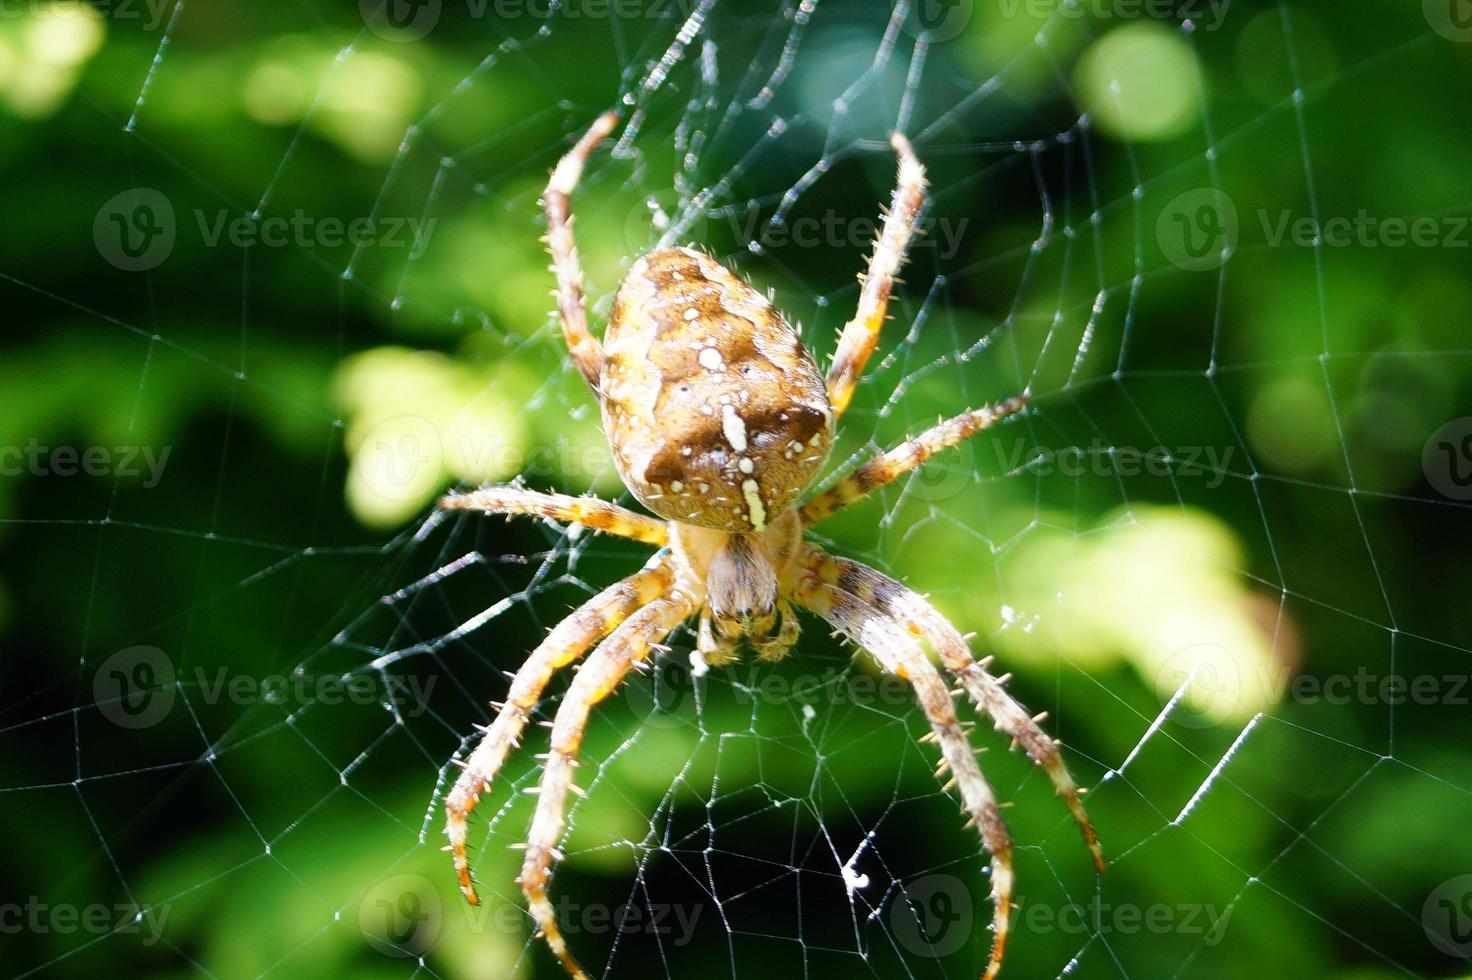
(903, 458)
(912, 612)
(600, 515)
(600, 675)
(587, 353)
(567, 641)
(860, 334)
(900, 653)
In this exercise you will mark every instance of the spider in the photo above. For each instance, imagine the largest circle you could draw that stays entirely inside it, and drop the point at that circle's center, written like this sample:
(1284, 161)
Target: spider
(718, 420)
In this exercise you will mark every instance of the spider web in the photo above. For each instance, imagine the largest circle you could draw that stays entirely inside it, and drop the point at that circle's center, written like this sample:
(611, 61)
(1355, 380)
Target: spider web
(1216, 501)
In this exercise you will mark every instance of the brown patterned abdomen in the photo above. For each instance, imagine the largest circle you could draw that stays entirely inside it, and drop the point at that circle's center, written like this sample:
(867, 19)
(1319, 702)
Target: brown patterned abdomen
(717, 414)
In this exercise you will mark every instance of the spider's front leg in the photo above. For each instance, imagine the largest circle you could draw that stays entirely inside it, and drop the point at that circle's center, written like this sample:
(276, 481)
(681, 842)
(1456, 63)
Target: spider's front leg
(600, 675)
(860, 334)
(900, 653)
(916, 615)
(567, 641)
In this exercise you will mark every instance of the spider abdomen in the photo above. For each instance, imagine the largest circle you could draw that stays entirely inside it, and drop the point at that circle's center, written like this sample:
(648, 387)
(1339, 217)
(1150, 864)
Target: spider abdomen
(715, 410)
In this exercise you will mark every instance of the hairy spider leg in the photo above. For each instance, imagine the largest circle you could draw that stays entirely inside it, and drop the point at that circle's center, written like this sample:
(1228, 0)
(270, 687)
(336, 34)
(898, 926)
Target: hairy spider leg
(601, 673)
(600, 515)
(572, 308)
(903, 458)
(566, 642)
(917, 616)
(899, 652)
(856, 341)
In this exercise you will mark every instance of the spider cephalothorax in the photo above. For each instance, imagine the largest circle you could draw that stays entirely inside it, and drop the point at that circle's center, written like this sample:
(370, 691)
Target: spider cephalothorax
(719, 420)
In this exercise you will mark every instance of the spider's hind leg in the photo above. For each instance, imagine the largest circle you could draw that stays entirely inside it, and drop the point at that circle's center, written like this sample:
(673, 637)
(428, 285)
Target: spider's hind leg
(572, 308)
(859, 335)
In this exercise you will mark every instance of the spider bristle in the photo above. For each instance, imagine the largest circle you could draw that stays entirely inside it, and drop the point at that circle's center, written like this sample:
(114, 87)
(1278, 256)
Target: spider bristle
(531, 790)
(949, 785)
(1005, 678)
